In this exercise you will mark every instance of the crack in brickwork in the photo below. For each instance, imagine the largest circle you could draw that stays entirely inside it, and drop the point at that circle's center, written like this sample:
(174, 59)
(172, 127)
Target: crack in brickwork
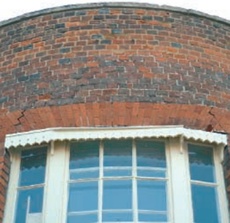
(20, 117)
(210, 127)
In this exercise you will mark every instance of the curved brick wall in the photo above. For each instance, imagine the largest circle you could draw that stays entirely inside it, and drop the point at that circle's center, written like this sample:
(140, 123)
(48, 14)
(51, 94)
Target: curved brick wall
(113, 64)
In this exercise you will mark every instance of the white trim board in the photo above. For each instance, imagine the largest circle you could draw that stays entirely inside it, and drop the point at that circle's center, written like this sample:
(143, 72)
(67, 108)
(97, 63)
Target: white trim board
(53, 134)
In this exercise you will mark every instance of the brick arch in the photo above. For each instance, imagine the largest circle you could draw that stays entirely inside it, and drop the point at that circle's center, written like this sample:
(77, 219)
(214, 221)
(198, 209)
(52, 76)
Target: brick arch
(116, 114)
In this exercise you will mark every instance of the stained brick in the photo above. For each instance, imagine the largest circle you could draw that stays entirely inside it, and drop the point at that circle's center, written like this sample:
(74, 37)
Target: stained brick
(104, 11)
(3, 99)
(65, 61)
(97, 36)
(23, 78)
(177, 45)
(116, 31)
(64, 50)
(98, 17)
(35, 76)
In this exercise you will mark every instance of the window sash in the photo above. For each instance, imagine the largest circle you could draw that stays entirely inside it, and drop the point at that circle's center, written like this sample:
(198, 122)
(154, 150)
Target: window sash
(133, 179)
(218, 184)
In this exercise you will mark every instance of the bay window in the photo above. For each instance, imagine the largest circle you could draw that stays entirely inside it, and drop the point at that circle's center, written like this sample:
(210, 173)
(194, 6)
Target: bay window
(136, 174)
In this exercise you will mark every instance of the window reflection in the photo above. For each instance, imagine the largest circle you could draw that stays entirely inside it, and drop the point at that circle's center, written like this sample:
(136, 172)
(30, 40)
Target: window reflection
(84, 160)
(151, 161)
(88, 218)
(201, 163)
(29, 203)
(32, 169)
(31, 185)
(154, 192)
(83, 196)
(117, 157)
(117, 194)
(148, 217)
(204, 196)
(117, 217)
(204, 204)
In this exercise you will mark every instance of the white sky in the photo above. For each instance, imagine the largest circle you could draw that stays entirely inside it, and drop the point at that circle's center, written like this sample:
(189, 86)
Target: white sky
(13, 8)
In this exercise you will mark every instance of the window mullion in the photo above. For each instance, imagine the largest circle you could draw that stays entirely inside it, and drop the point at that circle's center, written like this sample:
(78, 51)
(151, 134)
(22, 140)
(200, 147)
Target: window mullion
(53, 208)
(179, 182)
(100, 182)
(134, 182)
(204, 183)
(31, 186)
(66, 183)
(222, 196)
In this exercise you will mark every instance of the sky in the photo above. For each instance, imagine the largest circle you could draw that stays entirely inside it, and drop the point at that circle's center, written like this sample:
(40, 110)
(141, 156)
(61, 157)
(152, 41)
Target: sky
(13, 8)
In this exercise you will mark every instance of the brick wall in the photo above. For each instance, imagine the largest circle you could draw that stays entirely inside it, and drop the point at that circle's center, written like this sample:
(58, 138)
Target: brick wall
(113, 65)
(114, 54)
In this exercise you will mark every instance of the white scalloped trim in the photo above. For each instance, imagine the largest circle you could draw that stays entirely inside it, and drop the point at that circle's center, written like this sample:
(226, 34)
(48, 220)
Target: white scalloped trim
(53, 134)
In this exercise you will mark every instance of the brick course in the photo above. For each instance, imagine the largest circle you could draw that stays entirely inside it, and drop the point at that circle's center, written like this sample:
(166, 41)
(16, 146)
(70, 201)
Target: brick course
(113, 65)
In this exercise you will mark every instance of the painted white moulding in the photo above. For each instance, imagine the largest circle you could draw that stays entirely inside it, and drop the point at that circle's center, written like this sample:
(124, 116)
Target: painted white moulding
(61, 134)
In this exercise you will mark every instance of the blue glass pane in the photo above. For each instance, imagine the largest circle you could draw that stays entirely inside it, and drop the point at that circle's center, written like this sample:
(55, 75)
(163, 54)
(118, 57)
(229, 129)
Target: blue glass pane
(152, 195)
(117, 153)
(89, 218)
(151, 172)
(118, 172)
(83, 196)
(204, 204)
(117, 217)
(117, 194)
(152, 217)
(84, 173)
(201, 163)
(33, 163)
(84, 155)
(151, 155)
(36, 200)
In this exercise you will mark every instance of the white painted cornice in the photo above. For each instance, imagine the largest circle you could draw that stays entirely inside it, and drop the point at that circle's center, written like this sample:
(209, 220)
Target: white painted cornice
(60, 134)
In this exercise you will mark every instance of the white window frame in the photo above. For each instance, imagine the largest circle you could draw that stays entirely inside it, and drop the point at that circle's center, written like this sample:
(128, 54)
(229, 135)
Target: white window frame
(133, 178)
(218, 184)
(56, 187)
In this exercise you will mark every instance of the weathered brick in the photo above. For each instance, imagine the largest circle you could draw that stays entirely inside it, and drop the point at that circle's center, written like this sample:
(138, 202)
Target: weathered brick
(116, 31)
(23, 78)
(65, 61)
(177, 45)
(104, 11)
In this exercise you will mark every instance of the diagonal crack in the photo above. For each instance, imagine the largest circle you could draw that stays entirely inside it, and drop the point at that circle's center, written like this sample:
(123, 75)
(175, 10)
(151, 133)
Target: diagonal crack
(20, 117)
(214, 117)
